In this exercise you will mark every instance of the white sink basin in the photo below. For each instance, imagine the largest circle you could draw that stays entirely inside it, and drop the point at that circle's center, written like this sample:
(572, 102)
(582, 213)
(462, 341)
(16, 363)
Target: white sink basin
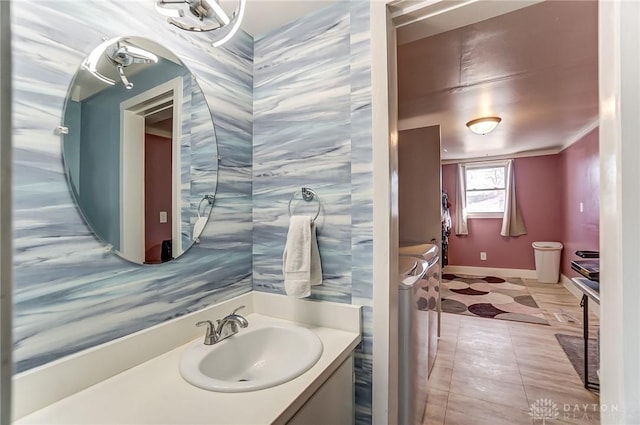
(253, 359)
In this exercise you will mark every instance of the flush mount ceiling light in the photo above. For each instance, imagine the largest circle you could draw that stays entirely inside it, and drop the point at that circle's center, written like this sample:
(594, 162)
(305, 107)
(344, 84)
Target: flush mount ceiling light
(203, 16)
(484, 125)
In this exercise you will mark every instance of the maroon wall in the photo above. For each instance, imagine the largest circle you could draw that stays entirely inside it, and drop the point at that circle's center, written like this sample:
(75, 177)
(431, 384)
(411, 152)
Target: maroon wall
(550, 189)
(580, 179)
(540, 196)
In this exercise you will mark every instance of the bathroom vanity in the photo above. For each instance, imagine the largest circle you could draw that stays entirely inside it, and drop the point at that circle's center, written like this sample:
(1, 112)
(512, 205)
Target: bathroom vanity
(154, 391)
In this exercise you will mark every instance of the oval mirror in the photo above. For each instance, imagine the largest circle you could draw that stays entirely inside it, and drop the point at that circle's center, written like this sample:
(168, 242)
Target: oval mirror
(139, 150)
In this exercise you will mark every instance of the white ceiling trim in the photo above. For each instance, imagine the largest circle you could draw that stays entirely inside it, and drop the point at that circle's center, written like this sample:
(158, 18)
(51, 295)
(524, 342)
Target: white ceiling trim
(406, 12)
(580, 134)
(541, 152)
(409, 16)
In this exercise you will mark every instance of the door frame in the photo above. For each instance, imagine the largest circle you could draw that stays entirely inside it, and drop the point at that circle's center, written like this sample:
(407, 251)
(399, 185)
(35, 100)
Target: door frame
(618, 73)
(386, 16)
(132, 154)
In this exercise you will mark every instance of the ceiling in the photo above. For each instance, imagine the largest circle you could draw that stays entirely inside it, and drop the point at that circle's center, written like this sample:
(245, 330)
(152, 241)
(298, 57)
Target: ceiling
(536, 68)
(263, 16)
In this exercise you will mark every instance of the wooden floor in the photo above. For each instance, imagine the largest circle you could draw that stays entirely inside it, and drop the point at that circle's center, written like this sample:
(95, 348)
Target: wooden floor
(491, 371)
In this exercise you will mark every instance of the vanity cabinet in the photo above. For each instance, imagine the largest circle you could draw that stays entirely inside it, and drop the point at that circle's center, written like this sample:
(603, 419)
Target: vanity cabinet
(333, 403)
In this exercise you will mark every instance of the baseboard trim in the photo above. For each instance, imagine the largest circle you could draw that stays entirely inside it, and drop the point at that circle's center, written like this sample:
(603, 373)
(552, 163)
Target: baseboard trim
(566, 282)
(491, 271)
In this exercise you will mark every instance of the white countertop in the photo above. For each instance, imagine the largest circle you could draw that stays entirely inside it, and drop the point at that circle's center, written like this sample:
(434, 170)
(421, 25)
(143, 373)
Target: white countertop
(155, 393)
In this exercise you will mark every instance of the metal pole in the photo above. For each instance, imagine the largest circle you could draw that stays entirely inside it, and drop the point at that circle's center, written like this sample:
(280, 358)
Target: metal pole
(585, 331)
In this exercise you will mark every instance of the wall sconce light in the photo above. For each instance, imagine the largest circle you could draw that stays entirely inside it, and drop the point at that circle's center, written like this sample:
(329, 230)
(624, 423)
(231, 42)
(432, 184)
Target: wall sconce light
(484, 125)
(203, 16)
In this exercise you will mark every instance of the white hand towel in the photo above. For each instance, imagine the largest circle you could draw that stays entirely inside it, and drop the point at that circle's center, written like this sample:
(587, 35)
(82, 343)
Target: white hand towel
(301, 258)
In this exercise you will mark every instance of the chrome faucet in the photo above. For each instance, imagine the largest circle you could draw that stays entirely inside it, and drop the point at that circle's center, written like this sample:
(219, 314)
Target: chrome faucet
(227, 326)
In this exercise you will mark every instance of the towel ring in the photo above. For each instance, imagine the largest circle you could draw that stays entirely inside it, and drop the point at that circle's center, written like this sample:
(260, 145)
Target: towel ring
(209, 199)
(307, 195)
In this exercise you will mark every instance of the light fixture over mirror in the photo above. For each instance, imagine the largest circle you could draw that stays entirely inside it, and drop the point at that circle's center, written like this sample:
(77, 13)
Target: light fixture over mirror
(203, 16)
(484, 125)
(140, 156)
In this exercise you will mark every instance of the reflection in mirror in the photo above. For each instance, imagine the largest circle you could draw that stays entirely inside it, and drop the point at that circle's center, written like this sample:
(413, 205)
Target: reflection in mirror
(140, 149)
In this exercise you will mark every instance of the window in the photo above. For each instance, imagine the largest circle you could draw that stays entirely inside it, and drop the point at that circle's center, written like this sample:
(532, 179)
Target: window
(485, 190)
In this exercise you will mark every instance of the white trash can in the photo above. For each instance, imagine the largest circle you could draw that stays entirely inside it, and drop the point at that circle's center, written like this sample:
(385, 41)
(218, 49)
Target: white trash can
(547, 261)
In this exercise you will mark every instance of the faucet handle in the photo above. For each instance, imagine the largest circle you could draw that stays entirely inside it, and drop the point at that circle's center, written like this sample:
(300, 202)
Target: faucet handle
(210, 336)
(239, 308)
(208, 323)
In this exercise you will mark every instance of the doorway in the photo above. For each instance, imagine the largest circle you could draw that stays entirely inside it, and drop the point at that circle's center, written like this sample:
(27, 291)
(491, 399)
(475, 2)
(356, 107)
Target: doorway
(496, 67)
(150, 181)
(616, 19)
(158, 177)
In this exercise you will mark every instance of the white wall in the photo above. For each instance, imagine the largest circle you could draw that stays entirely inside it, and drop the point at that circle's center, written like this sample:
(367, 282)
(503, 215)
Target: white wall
(619, 72)
(385, 216)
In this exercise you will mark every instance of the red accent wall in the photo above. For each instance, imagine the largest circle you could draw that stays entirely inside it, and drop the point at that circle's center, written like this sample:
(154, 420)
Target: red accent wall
(540, 198)
(580, 178)
(157, 191)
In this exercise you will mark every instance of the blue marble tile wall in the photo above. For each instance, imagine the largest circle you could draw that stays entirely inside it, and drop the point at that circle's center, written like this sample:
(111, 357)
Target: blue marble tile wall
(69, 293)
(312, 128)
(301, 137)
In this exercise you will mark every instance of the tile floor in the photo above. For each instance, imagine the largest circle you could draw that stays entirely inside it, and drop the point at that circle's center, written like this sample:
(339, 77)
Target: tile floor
(490, 371)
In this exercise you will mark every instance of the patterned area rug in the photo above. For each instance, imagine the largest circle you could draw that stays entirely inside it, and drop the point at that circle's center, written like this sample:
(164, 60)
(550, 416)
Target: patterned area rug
(490, 296)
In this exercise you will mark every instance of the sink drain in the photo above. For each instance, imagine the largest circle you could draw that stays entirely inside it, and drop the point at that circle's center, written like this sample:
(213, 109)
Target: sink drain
(242, 380)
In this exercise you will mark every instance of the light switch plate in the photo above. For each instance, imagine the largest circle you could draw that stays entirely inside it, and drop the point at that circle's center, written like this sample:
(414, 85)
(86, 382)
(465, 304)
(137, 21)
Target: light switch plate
(163, 216)
(483, 256)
